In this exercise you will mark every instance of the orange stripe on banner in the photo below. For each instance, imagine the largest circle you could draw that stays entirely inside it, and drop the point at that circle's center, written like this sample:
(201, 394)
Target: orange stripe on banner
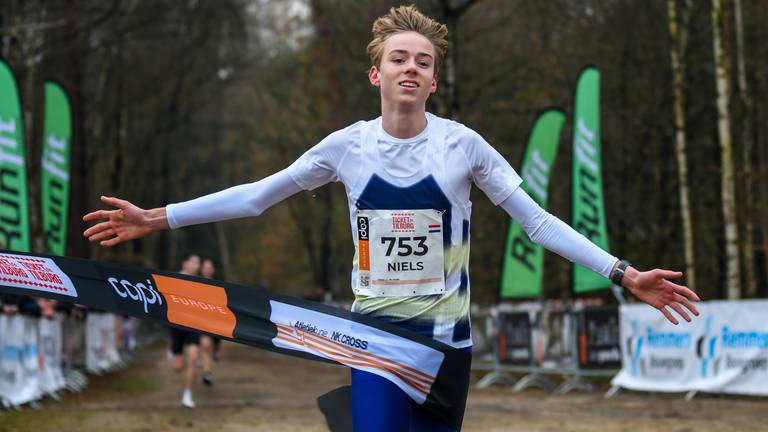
(424, 376)
(197, 305)
(404, 282)
(415, 374)
(355, 360)
(385, 364)
(349, 362)
(405, 376)
(364, 254)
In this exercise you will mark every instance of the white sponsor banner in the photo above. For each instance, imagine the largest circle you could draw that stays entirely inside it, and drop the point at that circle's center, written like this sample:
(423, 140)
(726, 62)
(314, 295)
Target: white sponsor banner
(96, 343)
(36, 273)
(108, 325)
(410, 365)
(19, 380)
(11, 359)
(50, 348)
(31, 360)
(724, 350)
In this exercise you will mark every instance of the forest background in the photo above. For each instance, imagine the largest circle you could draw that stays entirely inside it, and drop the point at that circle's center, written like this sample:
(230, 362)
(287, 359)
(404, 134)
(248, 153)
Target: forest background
(173, 99)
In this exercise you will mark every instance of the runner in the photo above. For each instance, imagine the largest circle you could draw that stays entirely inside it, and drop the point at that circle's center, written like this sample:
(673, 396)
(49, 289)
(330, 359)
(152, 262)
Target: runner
(190, 265)
(210, 345)
(408, 176)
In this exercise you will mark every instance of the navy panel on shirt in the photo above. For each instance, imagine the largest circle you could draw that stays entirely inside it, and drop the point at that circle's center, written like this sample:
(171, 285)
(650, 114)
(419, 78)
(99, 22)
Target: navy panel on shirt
(425, 194)
(461, 330)
(464, 281)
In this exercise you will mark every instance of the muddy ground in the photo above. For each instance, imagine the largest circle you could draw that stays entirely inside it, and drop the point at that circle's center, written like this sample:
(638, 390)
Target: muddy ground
(256, 390)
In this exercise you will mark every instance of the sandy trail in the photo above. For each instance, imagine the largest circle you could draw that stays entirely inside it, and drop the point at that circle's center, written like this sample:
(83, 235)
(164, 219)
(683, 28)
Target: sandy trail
(256, 390)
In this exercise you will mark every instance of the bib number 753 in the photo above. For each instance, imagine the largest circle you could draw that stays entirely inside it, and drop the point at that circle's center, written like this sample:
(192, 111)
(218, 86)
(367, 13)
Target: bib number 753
(405, 245)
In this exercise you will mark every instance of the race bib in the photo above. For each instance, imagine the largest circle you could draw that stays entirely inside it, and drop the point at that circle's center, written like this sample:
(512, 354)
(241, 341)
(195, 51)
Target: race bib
(400, 253)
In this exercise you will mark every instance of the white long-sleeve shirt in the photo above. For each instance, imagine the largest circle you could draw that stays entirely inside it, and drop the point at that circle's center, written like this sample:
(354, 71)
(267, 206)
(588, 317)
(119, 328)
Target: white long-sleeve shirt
(434, 170)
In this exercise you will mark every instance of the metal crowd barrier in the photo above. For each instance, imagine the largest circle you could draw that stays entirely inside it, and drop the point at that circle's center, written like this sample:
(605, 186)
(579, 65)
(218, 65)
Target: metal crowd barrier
(543, 340)
(40, 357)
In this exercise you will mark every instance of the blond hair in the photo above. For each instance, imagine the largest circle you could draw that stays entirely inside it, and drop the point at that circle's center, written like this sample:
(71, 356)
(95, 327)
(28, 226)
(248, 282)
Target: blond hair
(407, 19)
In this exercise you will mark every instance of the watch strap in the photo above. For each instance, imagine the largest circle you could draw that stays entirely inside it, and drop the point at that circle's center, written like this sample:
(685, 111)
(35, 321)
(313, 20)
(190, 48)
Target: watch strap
(618, 274)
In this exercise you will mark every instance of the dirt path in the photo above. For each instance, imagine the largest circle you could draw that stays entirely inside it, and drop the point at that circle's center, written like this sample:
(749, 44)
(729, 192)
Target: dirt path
(259, 391)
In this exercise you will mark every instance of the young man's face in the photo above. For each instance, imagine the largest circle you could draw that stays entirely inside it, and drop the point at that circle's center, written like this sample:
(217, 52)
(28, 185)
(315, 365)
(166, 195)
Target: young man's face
(407, 71)
(191, 265)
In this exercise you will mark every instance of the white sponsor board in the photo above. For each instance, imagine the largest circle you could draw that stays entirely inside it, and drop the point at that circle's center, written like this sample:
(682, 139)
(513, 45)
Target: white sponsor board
(50, 347)
(100, 355)
(11, 360)
(35, 273)
(19, 374)
(411, 366)
(724, 350)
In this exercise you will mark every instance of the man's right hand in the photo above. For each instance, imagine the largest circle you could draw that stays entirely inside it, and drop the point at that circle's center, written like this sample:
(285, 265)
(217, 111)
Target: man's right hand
(127, 222)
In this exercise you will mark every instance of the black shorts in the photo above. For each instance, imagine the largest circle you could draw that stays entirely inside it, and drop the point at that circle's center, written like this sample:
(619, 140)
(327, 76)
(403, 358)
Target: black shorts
(179, 338)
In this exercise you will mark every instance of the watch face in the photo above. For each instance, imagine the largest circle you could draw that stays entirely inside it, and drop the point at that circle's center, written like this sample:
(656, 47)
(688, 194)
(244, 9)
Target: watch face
(618, 274)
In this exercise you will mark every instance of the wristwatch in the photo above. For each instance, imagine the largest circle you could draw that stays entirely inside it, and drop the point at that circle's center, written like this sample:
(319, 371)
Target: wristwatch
(618, 274)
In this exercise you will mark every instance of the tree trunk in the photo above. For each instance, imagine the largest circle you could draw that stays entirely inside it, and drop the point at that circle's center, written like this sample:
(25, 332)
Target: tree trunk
(762, 186)
(80, 187)
(449, 65)
(451, 15)
(727, 191)
(32, 131)
(678, 41)
(227, 270)
(747, 143)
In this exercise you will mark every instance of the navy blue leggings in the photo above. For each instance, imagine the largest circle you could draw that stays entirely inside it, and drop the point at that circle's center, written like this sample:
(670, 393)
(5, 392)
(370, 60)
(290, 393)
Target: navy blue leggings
(378, 405)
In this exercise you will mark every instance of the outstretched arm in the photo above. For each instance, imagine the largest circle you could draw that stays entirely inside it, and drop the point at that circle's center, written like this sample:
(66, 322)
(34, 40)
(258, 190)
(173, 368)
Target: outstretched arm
(313, 169)
(653, 287)
(128, 222)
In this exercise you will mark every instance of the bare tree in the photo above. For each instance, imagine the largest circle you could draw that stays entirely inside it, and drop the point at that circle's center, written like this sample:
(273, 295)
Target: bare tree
(748, 144)
(728, 187)
(451, 13)
(678, 34)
